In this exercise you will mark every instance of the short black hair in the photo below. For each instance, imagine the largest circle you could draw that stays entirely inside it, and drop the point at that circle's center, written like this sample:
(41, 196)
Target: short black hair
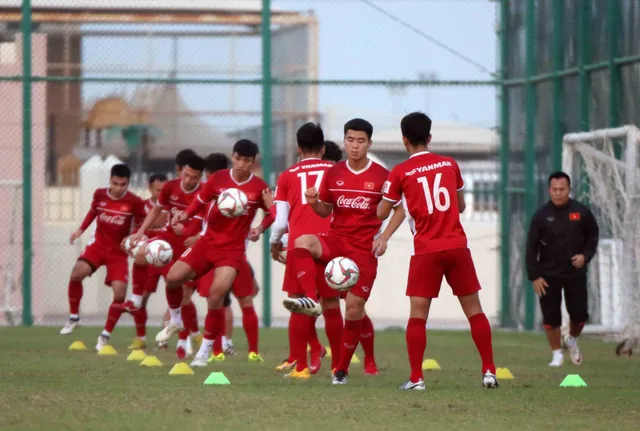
(194, 162)
(246, 148)
(558, 176)
(183, 156)
(332, 151)
(215, 162)
(157, 177)
(310, 138)
(359, 125)
(121, 171)
(416, 127)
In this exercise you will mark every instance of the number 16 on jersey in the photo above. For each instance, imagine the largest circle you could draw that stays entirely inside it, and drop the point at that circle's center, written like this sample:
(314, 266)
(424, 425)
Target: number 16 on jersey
(439, 196)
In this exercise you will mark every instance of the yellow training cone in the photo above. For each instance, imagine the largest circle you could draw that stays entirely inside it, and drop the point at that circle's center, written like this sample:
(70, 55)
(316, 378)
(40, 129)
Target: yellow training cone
(504, 374)
(136, 355)
(77, 346)
(355, 359)
(107, 350)
(430, 365)
(151, 361)
(181, 369)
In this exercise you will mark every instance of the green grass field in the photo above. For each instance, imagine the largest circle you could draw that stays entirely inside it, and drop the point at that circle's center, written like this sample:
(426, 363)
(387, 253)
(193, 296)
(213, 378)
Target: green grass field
(45, 387)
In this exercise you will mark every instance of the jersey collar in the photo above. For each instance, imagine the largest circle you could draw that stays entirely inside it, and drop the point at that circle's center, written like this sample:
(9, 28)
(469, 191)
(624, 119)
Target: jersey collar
(421, 153)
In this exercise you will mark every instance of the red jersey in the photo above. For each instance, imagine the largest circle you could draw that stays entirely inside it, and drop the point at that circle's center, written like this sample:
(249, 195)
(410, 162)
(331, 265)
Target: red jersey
(175, 200)
(115, 218)
(429, 183)
(355, 196)
(221, 232)
(292, 185)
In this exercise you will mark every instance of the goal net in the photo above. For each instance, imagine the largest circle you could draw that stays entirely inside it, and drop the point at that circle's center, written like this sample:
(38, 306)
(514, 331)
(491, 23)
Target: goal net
(604, 168)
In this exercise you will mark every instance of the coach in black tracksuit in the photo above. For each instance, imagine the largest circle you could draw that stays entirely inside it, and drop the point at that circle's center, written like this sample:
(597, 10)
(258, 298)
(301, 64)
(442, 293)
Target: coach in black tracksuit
(562, 240)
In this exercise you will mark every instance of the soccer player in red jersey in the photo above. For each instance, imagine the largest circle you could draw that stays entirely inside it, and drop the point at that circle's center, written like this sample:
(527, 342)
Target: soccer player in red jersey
(430, 185)
(292, 212)
(139, 274)
(223, 247)
(175, 197)
(350, 192)
(115, 210)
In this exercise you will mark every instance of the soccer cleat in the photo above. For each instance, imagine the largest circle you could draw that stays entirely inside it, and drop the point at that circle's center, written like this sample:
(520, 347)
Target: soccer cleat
(199, 362)
(305, 306)
(339, 378)
(557, 360)
(129, 307)
(316, 359)
(489, 380)
(168, 331)
(413, 386)
(370, 367)
(625, 347)
(70, 326)
(217, 358)
(137, 344)
(294, 374)
(255, 357)
(571, 344)
(162, 345)
(286, 365)
(103, 340)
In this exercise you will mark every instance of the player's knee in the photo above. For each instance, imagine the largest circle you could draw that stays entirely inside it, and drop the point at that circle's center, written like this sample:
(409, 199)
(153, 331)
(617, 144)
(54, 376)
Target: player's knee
(470, 305)
(245, 302)
(354, 309)
(328, 303)
(579, 317)
(215, 300)
(308, 242)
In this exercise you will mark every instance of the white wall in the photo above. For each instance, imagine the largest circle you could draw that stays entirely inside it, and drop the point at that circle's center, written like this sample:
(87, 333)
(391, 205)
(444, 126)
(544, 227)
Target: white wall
(388, 305)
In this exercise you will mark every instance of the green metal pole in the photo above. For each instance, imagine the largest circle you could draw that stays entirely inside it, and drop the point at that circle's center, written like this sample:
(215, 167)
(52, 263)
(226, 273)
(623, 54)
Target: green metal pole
(266, 153)
(583, 59)
(558, 90)
(530, 151)
(27, 252)
(613, 33)
(505, 212)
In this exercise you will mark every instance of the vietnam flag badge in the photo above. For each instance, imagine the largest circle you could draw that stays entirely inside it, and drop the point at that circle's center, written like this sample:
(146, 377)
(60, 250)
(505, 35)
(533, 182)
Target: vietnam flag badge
(574, 216)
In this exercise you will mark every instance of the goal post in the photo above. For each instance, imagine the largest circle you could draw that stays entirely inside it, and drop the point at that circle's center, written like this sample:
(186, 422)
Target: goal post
(604, 170)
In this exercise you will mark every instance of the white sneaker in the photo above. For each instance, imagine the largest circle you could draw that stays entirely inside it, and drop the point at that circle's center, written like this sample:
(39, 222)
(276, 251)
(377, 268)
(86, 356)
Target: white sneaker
(303, 306)
(339, 378)
(574, 352)
(199, 361)
(557, 361)
(489, 380)
(70, 326)
(168, 331)
(103, 340)
(411, 386)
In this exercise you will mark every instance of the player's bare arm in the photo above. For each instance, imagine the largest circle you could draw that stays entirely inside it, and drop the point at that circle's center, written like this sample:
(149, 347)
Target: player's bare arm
(384, 209)
(149, 220)
(380, 243)
(323, 209)
(268, 198)
(461, 203)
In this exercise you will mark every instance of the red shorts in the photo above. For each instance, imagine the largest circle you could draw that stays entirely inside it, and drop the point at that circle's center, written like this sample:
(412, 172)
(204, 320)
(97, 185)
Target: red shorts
(427, 270)
(202, 258)
(153, 277)
(176, 242)
(242, 285)
(333, 247)
(116, 262)
(139, 278)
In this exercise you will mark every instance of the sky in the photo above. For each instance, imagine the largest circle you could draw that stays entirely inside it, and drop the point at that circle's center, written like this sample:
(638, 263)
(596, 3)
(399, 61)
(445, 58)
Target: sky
(355, 42)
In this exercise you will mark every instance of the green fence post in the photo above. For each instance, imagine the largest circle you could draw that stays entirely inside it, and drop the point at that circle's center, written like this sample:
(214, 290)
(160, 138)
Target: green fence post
(583, 59)
(530, 152)
(558, 90)
(505, 212)
(266, 153)
(27, 246)
(613, 33)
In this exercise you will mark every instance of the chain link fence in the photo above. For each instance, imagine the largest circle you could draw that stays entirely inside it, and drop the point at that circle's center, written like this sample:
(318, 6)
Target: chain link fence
(138, 84)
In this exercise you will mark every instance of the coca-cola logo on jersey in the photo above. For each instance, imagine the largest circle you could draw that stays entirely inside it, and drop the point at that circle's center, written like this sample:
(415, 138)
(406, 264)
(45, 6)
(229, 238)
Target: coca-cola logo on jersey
(175, 213)
(113, 219)
(359, 202)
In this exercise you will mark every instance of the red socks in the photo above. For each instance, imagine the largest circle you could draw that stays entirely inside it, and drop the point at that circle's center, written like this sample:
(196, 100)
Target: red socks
(250, 325)
(300, 331)
(481, 334)
(367, 337)
(314, 342)
(214, 324)
(174, 297)
(75, 295)
(304, 268)
(291, 330)
(350, 340)
(140, 319)
(333, 325)
(115, 311)
(416, 337)
(139, 276)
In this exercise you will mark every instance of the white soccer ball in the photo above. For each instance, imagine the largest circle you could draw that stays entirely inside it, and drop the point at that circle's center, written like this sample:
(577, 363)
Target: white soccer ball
(232, 203)
(132, 250)
(158, 253)
(341, 273)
